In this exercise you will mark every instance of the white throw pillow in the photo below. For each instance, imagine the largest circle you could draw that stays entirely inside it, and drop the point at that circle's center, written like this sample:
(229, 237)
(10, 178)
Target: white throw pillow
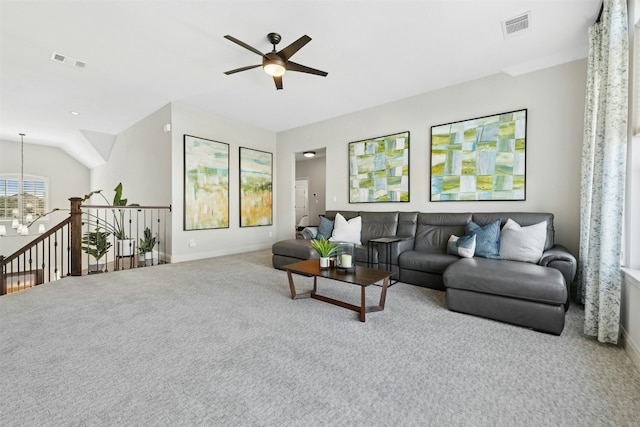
(519, 243)
(346, 231)
(464, 246)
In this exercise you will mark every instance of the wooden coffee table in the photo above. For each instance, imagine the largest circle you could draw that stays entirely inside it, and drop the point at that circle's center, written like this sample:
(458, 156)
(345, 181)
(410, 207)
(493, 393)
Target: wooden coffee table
(362, 276)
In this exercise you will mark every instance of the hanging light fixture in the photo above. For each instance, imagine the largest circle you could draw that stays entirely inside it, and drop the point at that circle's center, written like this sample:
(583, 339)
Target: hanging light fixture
(25, 230)
(18, 222)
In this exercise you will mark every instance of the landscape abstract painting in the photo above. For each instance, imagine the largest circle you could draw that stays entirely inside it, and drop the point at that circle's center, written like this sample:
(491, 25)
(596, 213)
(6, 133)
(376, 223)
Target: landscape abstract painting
(480, 159)
(379, 169)
(206, 184)
(256, 193)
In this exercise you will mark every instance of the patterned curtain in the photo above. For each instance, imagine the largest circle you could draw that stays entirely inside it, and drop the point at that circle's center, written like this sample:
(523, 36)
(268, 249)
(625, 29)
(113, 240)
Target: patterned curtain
(603, 172)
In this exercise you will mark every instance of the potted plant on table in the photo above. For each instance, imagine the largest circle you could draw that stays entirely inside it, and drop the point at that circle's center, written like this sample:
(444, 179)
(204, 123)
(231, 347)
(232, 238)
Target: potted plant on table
(125, 244)
(145, 248)
(325, 249)
(96, 243)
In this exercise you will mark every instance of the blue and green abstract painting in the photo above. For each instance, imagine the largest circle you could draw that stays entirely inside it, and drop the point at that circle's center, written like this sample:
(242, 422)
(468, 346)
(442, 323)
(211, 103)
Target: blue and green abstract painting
(479, 159)
(379, 169)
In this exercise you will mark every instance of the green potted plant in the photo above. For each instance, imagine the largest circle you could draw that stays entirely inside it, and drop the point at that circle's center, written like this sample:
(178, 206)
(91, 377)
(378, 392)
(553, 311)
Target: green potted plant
(96, 244)
(145, 247)
(325, 249)
(125, 244)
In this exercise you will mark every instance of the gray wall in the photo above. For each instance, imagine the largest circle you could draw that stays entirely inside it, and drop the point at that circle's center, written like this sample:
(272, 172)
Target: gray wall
(141, 160)
(149, 161)
(209, 243)
(554, 98)
(67, 178)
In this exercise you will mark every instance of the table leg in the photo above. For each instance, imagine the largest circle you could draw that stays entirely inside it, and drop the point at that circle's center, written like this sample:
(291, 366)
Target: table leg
(383, 294)
(292, 288)
(362, 303)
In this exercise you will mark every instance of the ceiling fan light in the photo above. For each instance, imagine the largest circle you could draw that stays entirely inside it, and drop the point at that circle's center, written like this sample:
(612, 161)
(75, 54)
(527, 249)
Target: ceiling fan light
(274, 69)
(309, 154)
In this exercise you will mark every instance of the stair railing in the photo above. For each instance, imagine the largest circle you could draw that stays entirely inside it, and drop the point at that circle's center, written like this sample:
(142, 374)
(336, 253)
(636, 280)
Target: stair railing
(58, 252)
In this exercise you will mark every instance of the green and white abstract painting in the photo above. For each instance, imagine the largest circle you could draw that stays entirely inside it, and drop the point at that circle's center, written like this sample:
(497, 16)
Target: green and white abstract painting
(480, 159)
(379, 169)
(256, 192)
(206, 184)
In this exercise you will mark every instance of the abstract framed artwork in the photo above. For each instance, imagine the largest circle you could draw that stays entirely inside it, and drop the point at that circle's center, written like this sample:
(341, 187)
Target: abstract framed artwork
(256, 188)
(206, 184)
(379, 169)
(480, 159)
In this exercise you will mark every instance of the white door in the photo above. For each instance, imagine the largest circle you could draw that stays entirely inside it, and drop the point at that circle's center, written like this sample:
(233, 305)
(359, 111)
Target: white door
(302, 199)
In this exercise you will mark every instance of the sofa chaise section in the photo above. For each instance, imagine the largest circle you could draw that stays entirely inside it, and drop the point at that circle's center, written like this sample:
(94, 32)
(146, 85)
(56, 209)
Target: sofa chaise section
(514, 292)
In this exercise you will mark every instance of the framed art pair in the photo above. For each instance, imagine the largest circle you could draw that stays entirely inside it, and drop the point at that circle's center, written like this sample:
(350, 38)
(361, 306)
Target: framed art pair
(206, 185)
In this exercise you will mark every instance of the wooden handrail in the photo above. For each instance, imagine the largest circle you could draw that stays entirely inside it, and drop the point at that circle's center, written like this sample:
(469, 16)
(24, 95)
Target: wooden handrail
(135, 207)
(35, 242)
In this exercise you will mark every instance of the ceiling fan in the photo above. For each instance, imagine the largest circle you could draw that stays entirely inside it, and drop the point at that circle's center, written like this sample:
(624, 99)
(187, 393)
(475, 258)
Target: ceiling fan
(277, 63)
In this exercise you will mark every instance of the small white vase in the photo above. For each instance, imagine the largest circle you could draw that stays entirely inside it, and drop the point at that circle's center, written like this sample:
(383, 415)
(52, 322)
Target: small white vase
(324, 262)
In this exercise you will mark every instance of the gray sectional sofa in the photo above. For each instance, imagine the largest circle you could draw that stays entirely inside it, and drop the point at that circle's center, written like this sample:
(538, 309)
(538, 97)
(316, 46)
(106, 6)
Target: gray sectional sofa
(533, 295)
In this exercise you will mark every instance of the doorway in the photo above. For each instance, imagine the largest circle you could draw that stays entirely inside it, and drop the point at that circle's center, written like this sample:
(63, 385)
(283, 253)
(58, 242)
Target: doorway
(310, 186)
(302, 200)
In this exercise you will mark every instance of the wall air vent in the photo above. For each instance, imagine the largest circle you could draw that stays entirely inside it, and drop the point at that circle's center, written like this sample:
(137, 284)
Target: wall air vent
(517, 25)
(67, 60)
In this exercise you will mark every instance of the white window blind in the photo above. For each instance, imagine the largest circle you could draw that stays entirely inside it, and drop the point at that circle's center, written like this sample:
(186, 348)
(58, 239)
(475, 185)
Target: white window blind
(34, 192)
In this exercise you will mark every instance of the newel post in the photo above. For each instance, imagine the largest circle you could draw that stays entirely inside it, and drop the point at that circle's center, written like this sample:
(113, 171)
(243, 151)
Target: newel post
(76, 236)
(3, 283)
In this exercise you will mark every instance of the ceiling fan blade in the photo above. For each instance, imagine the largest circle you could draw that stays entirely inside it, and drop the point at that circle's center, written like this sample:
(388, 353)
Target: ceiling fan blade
(292, 66)
(278, 81)
(237, 70)
(244, 45)
(288, 51)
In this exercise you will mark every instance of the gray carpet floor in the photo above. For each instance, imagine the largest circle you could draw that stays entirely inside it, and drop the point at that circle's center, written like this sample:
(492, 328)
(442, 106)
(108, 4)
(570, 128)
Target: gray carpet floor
(220, 342)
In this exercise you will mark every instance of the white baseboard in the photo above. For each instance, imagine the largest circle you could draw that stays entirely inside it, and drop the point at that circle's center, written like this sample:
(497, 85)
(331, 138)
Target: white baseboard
(213, 254)
(632, 348)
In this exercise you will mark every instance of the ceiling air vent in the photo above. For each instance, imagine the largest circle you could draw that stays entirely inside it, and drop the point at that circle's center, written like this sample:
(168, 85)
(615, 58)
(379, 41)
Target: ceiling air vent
(67, 60)
(57, 57)
(517, 25)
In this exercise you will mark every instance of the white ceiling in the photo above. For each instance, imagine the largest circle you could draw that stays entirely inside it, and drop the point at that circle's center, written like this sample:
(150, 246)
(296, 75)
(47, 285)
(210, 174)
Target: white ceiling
(142, 55)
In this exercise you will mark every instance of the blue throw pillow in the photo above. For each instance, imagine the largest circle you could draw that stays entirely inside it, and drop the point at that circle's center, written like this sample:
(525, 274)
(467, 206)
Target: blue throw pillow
(487, 239)
(325, 229)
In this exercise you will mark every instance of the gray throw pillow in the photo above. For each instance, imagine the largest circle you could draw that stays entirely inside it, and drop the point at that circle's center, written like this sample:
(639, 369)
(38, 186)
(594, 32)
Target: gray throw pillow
(325, 229)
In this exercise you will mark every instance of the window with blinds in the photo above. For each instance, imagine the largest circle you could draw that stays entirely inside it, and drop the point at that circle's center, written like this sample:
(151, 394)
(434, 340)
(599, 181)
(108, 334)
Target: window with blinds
(11, 202)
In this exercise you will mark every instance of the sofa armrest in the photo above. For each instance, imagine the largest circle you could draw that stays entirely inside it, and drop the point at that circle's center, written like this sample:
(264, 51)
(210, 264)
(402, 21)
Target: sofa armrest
(307, 233)
(561, 259)
(405, 244)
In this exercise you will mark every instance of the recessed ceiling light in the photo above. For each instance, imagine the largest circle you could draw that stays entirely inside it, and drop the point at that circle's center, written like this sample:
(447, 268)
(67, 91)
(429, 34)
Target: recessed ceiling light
(74, 113)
